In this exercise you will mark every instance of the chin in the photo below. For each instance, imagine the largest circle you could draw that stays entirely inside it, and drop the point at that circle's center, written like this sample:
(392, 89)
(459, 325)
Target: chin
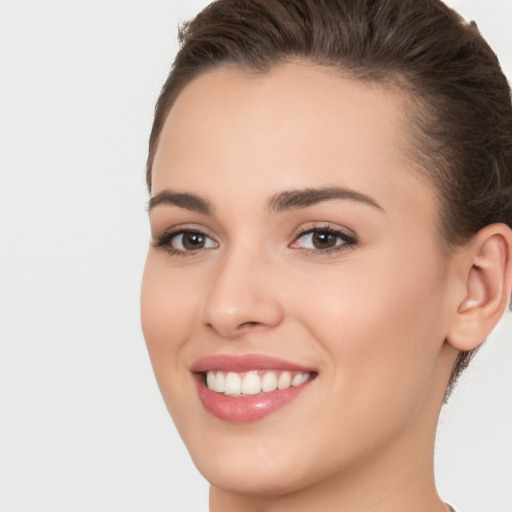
(247, 459)
(267, 479)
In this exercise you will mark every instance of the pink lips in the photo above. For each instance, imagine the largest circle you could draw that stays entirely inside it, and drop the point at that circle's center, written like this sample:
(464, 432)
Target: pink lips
(246, 408)
(245, 363)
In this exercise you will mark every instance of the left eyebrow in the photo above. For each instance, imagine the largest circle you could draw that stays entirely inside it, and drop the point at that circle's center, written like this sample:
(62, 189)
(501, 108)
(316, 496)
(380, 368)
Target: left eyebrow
(295, 199)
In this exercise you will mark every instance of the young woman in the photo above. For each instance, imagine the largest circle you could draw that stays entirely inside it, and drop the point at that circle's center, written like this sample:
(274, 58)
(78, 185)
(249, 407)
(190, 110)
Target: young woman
(331, 212)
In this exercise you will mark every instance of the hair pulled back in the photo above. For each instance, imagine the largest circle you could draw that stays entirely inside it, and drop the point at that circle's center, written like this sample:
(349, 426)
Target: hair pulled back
(462, 113)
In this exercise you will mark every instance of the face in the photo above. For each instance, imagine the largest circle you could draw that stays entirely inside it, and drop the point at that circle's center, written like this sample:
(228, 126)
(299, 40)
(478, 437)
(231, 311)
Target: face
(294, 269)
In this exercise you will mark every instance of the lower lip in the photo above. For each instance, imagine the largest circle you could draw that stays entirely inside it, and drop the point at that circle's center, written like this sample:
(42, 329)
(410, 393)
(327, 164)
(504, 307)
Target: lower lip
(244, 409)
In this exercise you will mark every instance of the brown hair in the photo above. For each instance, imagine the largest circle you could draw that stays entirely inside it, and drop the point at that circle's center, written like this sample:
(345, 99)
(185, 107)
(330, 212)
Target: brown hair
(462, 114)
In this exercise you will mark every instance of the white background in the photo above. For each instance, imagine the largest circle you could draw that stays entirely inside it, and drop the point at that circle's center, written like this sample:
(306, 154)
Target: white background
(82, 425)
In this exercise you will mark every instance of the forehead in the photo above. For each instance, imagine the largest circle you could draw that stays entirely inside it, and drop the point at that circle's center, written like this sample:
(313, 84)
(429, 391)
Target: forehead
(297, 125)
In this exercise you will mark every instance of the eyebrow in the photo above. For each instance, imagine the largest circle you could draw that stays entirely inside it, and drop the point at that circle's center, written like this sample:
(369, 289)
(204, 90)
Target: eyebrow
(296, 199)
(190, 202)
(288, 200)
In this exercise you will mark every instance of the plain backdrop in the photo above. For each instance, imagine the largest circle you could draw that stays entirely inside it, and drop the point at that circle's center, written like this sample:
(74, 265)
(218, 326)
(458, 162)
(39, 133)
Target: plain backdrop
(82, 425)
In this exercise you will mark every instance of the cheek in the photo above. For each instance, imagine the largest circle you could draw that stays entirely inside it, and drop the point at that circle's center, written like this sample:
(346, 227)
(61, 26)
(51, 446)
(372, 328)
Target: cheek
(381, 327)
(168, 305)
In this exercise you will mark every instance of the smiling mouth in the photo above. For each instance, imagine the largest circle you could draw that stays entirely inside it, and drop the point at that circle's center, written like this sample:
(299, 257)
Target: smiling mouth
(247, 388)
(253, 382)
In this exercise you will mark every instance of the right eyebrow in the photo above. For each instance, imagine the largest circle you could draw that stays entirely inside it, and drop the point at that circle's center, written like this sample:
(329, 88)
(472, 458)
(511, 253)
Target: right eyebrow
(190, 202)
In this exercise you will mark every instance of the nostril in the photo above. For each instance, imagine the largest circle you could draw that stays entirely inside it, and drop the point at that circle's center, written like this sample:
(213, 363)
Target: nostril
(248, 324)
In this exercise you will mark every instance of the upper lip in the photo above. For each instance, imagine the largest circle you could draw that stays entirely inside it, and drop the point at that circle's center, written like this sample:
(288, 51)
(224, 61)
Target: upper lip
(245, 363)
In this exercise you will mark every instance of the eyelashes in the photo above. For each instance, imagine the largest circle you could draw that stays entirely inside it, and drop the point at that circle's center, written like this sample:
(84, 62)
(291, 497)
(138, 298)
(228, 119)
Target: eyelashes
(185, 242)
(324, 240)
(316, 240)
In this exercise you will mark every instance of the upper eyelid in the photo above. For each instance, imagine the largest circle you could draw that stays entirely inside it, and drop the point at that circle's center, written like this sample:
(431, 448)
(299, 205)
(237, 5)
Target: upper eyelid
(185, 227)
(323, 225)
(169, 234)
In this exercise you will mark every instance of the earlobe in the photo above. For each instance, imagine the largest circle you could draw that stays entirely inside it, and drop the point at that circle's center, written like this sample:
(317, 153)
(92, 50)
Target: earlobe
(487, 285)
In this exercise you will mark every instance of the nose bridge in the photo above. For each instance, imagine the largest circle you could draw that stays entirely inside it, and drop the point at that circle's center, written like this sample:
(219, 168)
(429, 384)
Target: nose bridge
(242, 295)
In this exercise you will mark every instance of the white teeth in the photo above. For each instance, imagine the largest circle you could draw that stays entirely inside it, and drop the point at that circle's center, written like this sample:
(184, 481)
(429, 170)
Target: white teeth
(210, 380)
(297, 380)
(284, 381)
(300, 379)
(269, 382)
(251, 383)
(220, 382)
(233, 384)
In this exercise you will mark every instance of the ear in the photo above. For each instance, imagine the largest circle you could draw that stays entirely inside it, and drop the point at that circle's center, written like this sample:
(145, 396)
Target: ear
(487, 284)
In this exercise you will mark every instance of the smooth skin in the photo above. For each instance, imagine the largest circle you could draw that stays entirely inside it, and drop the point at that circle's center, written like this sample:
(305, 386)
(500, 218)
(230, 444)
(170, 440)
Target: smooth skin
(380, 314)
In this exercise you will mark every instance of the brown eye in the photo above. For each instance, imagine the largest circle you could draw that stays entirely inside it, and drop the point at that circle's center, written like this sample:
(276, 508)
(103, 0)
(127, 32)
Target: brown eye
(193, 241)
(324, 239)
(187, 241)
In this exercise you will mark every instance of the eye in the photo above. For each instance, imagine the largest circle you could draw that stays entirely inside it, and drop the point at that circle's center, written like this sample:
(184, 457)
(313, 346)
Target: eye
(324, 239)
(185, 241)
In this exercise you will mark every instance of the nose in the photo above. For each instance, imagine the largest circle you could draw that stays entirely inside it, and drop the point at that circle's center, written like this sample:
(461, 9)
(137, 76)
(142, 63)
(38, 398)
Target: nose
(242, 297)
